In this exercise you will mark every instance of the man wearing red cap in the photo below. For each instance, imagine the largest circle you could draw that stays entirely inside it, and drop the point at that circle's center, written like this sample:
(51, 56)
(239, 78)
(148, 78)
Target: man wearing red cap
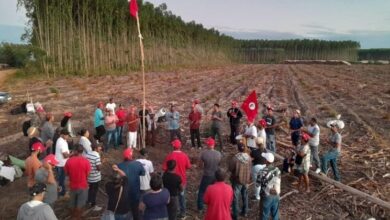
(99, 121)
(33, 163)
(195, 117)
(133, 170)
(132, 125)
(261, 130)
(182, 165)
(209, 160)
(45, 175)
(303, 161)
(77, 168)
(234, 114)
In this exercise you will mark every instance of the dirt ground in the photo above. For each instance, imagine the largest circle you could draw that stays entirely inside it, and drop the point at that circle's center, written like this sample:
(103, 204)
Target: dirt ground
(360, 93)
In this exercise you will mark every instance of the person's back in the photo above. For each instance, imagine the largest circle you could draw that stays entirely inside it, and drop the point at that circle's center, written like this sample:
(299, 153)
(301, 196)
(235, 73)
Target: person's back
(78, 168)
(144, 180)
(36, 210)
(133, 170)
(182, 164)
(113, 190)
(240, 166)
(211, 159)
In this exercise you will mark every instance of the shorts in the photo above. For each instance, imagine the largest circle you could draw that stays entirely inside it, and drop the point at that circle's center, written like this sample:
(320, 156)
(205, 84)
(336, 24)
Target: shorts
(78, 198)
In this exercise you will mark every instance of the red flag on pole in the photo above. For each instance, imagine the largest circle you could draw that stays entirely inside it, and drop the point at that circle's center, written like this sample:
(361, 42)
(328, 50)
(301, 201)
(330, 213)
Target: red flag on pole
(250, 106)
(133, 8)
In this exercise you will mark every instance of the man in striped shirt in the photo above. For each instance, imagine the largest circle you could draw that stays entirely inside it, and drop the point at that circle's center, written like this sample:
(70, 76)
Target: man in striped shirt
(95, 176)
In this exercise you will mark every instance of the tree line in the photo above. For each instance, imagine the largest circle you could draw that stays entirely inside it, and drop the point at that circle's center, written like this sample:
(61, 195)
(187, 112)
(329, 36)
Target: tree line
(374, 54)
(98, 37)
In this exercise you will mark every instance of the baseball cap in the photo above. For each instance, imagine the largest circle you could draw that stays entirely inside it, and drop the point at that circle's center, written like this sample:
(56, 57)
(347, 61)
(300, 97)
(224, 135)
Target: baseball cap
(51, 159)
(263, 123)
(210, 142)
(128, 153)
(68, 114)
(305, 136)
(38, 146)
(176, 144)
(269, 157)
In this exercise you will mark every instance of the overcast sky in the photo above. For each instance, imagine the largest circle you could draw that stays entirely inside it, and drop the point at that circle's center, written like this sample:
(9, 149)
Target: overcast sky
(367, 21)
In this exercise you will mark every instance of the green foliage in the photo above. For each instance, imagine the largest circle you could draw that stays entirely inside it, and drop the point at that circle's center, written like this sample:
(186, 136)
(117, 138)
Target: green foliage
(374, 54)
(15, 55)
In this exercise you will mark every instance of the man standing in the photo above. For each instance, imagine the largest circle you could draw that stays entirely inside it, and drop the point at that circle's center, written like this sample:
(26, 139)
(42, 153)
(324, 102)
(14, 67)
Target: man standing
(216, 125)
(95, 175)
(182, 165)
(172, 182)
(333, 153)
(33, 163)
(110, 122)
(261, 131)
(121, 114)
(296, 124)
(218, 197)
(132, 125)
(314, 131)
(148, 166)
(234, 114)
(269, 181)
(270, 129)
(78, 168)
(99, 122)
(209, 160)
(195, 117)
(240, 168)
(133, 170)
(111, 105)
(258, 163)
(251, 134)
(173, 119)
(62, 154)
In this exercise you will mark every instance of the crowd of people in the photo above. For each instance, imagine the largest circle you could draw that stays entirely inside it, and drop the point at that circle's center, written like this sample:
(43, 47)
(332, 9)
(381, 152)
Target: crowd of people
(60, 159)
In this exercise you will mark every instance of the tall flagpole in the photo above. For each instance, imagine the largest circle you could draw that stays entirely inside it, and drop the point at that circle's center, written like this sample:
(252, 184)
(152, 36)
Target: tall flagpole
(141, 45)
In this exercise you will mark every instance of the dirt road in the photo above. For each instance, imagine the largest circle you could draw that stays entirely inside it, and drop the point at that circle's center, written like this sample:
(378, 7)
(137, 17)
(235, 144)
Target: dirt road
(361, 94)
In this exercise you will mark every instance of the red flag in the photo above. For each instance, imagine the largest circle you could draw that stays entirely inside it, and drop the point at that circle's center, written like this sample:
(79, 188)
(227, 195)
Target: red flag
(250, 106)
(133, 8)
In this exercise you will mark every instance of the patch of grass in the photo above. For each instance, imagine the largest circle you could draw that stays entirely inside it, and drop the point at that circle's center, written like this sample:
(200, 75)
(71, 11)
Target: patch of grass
(54, 91)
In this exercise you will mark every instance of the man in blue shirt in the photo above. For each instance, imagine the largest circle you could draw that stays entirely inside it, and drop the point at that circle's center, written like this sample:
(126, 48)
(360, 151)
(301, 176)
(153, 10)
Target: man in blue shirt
(173, 119)
(296, 124)
(99, 121)
(133, 170)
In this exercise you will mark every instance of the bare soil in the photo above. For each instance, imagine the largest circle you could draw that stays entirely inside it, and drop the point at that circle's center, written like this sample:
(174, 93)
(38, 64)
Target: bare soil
(360, 93)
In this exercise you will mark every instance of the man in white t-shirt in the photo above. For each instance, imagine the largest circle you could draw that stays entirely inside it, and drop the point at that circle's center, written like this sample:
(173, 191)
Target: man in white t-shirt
(148, 166)
(314, 131)
(111, 105)
(251, 135)
(62, 154)
(261, 130)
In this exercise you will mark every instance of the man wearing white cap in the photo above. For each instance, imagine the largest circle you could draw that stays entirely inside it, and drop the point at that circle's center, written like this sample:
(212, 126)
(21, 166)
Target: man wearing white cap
(269, 181)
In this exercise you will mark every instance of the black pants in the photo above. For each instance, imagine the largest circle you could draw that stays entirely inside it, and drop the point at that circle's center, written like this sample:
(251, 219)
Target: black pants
(173, 207)
(134, 208)
(216, 131)
(92, 193)
(175, 134)
(234, 131)
(195, 134)
(100, 131)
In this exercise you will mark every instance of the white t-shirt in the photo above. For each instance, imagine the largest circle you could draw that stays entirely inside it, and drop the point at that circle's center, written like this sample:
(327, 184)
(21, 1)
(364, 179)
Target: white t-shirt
(61, 147)
(261, 133)
(315, 131)
(251, 131)
(86, 143)
(145, 180)
(111, 106)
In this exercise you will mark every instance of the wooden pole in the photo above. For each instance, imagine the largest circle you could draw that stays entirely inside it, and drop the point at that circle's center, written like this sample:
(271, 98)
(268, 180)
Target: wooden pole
(141, 45)
(344, 187)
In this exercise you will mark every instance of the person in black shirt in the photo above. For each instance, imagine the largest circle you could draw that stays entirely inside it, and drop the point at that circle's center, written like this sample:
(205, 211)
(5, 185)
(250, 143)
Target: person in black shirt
(118, 204)
(270, 129)
(172, 182)
(234, 114)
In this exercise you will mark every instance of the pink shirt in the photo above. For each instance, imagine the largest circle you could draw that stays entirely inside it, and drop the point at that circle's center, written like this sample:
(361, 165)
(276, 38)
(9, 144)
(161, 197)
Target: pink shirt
(110, 121)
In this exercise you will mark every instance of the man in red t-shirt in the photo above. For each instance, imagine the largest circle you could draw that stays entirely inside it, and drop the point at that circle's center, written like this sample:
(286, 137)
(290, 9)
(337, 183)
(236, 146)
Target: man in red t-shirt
(77, 168)
(121, 114)
(219, 198)
(132, 124)
(195, 116)
(182, 165)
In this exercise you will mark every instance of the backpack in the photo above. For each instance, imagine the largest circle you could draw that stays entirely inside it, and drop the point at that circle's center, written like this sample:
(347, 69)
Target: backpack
(265, 176)
(26, 125)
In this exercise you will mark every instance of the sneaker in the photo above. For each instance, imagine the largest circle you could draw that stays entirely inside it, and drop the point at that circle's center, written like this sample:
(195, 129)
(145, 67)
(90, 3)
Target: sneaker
(318, 170)
(96, 208)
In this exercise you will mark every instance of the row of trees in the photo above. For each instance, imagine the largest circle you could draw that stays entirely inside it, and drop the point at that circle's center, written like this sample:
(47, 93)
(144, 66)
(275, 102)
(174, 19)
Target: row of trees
(15, 55)
(98, 36)
(374, 54)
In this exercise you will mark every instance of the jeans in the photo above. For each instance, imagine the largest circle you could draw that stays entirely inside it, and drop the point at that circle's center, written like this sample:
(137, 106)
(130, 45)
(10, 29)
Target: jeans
(121, 216)
(172, 207)
(255, 170)
(239, 190)
(92, 193)
(204, 183)
(135, 213)
(111, 137)
(271, 142)
(269, 205)
(61, 180)
(195, 134)
(119, 135)
(182, 201)
(331, 157)
(314, 158)
(217, 131)
(234, 131)
(175, 134)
